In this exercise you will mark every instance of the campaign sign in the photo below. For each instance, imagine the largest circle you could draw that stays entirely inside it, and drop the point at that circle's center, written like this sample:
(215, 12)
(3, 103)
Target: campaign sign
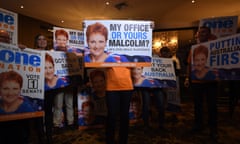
(160, 74)
(92, 107)
(217, 59)
(221, 26)
(21, 82)
(111, 43)
(135, 109)
(68, 40)
(67, 68)
(9, 22)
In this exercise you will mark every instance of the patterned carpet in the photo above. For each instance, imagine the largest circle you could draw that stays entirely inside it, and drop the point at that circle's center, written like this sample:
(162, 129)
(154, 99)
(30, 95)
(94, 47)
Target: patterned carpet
(178, 127)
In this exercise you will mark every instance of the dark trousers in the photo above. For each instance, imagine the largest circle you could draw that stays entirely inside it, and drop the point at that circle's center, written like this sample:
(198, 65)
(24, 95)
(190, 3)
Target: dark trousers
(48, 106)
(14, 132)
(234, 93)
(199, 91)
(118, 101)
(159, 98)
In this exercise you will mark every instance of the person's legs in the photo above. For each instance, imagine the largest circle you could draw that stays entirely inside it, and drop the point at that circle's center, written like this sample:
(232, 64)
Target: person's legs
(39, 124)
(160, 101)
(145, 106)
(57, 112)
(212, 107)
(197, 92)
(125, 98)
(112, 100)
(234, 94)
(69, 106)
(12, 132)
(48, 118)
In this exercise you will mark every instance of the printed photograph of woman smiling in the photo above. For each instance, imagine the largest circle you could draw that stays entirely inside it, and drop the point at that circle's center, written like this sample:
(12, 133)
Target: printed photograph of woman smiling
(97, 36)
(200, 70)
(11, 100)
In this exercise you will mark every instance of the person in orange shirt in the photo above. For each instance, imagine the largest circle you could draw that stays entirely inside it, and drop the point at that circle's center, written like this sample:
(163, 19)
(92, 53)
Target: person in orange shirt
(119, 90)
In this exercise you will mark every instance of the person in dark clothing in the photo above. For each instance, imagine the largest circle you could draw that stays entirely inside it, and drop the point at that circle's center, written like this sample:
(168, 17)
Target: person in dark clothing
(203, 88)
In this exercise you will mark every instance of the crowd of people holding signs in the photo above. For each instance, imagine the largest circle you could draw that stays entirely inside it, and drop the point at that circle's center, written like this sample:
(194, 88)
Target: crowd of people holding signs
(106, 70)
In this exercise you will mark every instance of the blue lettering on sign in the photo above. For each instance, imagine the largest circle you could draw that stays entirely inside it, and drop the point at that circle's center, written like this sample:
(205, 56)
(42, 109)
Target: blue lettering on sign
(219, 24)
(8, 56)
(8, 19)
(225, 59)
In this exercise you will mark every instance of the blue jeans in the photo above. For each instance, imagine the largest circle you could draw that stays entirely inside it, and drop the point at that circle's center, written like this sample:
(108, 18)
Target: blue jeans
(118, 101)
(159, 98)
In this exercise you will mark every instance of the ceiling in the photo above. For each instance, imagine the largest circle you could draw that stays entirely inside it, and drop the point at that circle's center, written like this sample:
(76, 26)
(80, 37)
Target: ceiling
(166, 14)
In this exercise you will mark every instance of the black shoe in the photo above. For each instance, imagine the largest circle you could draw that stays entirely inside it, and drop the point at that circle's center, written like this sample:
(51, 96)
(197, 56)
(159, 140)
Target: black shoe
(49, 140)
(214, 138)
(163, 129)
(213, 134)
(196, 129)
(57, 130)
(71, 127)
(147, 130)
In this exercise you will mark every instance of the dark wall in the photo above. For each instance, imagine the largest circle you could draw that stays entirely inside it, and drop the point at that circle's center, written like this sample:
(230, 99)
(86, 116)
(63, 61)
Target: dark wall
(28, 28)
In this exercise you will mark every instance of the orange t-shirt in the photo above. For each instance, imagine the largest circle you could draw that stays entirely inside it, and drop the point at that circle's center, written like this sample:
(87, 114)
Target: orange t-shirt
(119, 78)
